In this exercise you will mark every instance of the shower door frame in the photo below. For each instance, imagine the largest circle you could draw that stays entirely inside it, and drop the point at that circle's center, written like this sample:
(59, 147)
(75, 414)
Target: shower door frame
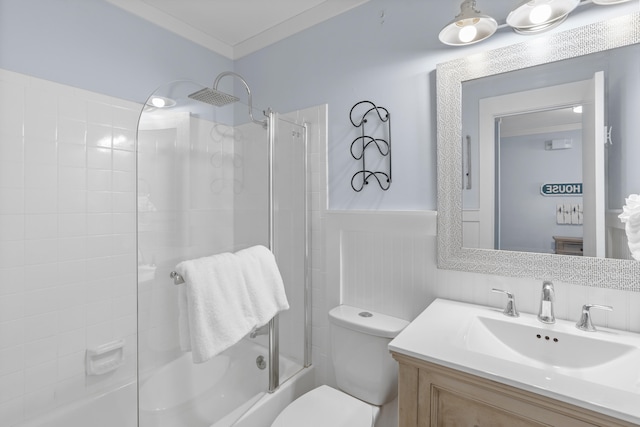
(274, 346)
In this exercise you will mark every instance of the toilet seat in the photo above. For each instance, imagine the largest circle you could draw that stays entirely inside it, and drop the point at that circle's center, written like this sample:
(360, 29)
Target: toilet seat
(325, 406)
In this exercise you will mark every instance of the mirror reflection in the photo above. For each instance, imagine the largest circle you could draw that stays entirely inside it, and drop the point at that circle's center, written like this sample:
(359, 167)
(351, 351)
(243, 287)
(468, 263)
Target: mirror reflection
(539, 205)
(548, 156)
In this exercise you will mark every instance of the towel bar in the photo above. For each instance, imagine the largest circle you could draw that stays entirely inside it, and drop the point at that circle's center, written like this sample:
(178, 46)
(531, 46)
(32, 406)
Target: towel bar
(177, 279)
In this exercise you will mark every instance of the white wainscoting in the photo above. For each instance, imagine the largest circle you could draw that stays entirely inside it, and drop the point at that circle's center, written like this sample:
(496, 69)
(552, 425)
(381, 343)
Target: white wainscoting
(382, 261)
(386, 262)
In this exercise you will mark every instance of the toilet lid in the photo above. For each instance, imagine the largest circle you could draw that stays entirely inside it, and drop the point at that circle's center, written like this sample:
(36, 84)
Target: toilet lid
(323, 407)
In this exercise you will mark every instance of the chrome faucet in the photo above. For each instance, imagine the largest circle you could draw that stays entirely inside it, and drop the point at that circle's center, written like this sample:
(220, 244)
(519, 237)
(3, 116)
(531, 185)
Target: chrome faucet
(510, 309)
(585, 324)
(545, 314)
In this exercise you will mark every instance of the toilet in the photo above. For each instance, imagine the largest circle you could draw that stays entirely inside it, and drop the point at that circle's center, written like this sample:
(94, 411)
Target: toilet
(366, 374)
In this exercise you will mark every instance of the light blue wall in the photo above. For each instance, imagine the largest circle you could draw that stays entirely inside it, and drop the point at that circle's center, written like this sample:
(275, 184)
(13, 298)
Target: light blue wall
(361, 56)
(93, 45)
(384, 51)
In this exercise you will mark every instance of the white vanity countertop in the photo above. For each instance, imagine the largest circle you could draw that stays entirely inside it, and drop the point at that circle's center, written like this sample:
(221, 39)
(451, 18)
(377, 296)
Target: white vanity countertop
(443, 334)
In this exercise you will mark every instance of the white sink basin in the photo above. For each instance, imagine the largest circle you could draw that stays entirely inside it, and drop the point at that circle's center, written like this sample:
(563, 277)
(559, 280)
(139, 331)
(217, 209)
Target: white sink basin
(544, 347)
(596, 370)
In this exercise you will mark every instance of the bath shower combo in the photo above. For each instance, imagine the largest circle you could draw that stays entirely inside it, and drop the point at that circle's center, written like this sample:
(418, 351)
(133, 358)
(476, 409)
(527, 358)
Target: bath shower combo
(217, 98)
(183, 92)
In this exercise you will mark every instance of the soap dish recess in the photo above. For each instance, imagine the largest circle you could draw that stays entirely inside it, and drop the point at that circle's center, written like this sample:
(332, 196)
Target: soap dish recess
(104, 358)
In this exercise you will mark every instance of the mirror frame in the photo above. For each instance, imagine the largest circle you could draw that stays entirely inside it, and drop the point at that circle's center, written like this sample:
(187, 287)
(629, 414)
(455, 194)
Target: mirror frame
(588, 271)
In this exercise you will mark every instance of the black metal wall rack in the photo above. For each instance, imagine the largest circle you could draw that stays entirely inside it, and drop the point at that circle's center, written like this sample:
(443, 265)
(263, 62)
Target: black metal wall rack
(360, 144)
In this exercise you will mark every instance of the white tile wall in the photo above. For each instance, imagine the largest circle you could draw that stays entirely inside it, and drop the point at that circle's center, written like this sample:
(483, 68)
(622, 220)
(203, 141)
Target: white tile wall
(67, 241)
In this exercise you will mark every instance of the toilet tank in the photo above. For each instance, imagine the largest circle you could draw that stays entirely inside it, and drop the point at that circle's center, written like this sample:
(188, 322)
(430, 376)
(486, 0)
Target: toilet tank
(363, 365)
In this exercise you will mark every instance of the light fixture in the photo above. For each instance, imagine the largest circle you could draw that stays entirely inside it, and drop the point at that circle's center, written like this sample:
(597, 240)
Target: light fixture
(161, 102)
(577, 109)
(529, 17)
(534, 16)
(468, 27)
(608, 2)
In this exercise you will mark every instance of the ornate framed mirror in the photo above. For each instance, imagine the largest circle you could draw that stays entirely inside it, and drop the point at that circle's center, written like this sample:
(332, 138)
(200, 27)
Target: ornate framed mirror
(620, 274)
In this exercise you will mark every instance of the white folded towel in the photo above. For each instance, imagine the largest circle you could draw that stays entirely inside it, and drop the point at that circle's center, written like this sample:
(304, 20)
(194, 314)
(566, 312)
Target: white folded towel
(225, 297)
(264, 283)
(215, 308)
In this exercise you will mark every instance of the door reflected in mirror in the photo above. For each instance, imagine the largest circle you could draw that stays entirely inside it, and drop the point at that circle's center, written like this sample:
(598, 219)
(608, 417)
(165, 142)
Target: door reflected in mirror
(539, 182)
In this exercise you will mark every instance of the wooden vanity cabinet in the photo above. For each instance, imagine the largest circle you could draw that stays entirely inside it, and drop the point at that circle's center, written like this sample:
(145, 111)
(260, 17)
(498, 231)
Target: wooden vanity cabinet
(431, 395)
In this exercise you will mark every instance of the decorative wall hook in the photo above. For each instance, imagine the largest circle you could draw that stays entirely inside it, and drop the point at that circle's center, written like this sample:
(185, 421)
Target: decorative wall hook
(360, 144)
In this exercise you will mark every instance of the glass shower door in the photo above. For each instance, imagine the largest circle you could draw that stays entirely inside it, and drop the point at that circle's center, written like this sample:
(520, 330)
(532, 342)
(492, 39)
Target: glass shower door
(291, 238)
(189, 175)
(203, 189)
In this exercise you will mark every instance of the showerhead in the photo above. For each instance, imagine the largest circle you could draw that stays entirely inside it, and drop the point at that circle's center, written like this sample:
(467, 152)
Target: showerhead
(213, 97)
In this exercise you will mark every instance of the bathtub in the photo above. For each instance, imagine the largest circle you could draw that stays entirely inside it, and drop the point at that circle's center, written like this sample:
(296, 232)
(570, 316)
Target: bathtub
(263, 408)
(215, 393)
(183, 394)
(115, 408)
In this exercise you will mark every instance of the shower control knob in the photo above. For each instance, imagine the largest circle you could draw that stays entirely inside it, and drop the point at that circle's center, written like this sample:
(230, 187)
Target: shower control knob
(261, 363)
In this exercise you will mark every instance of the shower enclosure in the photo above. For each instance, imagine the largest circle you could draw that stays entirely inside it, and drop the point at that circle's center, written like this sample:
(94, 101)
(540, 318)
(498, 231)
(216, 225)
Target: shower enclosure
(214, 179)
(88, 319)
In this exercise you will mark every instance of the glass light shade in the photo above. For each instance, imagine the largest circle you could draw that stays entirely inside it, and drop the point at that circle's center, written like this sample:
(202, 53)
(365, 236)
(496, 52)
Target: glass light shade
(534, 16)
(469, 27)
(608, 2)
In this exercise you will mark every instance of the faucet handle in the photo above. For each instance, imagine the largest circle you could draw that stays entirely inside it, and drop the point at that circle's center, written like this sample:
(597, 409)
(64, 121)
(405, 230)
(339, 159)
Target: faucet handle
(585, 323)
(510, 310)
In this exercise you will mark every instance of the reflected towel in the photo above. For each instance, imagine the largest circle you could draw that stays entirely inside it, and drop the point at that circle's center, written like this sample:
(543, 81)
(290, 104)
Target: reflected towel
(215, 307)
(630, 216)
